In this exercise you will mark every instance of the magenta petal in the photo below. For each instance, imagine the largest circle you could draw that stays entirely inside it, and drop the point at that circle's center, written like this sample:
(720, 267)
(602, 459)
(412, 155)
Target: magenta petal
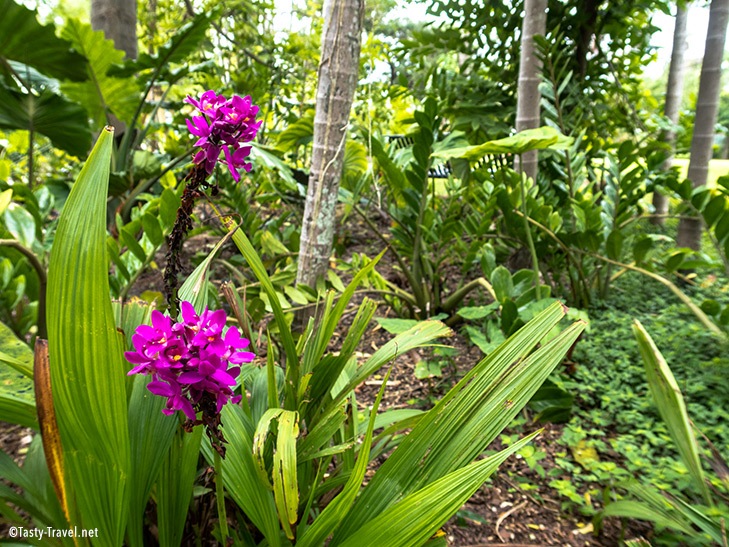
(223, 377)
(191, 377)
(135, 358)
(141, 369)
(160, 388)
(242, 357)
(160, 321)
(147, 332)
(186, 407)
(188, 313)
(231, 166)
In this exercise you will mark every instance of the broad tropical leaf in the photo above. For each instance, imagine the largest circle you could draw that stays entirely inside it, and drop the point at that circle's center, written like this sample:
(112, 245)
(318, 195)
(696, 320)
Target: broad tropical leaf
(529, 139)
(62, 121)
(100, 94)
(24, 39)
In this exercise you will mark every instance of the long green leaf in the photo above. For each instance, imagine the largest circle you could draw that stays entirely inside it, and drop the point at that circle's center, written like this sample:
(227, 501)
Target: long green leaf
(259, 270)
(671, 406)
(419, 515)
(335, 512)
(240, 474)
(454, 432)
(87, 366)
(150, 435)
(285, 487)
(329, 322)
(175, 484)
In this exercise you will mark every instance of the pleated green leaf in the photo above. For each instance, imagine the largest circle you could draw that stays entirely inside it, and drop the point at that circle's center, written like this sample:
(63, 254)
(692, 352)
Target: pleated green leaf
(671, 406)
(419, 515)
(150, 431)
(330, 320)
(240, 474)
(659, 511)
(285, 487)
(418, 336)
(150, 435)
(335, 512)
(174, 486)
(284, 483)
(86, 357)
(463, 423)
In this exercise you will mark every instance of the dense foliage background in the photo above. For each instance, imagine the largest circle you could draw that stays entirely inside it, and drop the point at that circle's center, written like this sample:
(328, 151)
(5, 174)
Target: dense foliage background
(429, 177)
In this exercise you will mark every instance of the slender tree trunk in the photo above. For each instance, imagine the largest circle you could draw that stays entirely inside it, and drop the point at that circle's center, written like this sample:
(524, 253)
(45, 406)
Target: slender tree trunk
(707, 104)
(118, 20)
(338, 75)
(530, 67)
(674, 93)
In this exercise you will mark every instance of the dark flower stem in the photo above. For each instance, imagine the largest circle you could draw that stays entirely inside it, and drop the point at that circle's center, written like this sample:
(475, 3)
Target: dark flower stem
(196, 183)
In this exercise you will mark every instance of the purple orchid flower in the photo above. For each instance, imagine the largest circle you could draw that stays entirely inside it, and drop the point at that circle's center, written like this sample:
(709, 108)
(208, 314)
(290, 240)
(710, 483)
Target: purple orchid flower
(225, 125)
(190, 358)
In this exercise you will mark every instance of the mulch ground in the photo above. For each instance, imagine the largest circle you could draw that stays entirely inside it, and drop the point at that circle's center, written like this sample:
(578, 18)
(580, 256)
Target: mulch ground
(500, 512)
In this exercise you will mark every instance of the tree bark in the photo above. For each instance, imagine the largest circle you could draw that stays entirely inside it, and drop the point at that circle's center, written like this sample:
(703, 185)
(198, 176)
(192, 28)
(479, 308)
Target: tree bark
(707, 104)
(118, 20)
(338, 75)
(674, 94)
(530, 68)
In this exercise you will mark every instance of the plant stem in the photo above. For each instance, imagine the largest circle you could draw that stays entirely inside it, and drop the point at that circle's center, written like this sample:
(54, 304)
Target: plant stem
(42, 281)
(527, 229)
(220, 497)
(455, 298)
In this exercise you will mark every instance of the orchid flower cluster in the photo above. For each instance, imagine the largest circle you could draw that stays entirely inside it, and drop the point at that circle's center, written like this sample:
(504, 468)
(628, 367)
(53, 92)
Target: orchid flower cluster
(189, 360)
(226, 125)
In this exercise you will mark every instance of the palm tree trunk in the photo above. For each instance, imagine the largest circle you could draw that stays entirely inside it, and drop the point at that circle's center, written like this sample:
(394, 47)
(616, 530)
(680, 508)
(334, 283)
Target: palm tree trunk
(338, 75)
(707, 103)
(674, 94)
(530, 67)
